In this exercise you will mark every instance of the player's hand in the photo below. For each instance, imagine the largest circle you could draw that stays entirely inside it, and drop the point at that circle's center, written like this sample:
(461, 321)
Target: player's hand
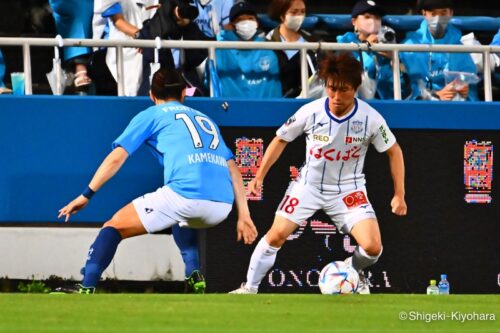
(246, 230)
(398, 205)
(255, 186)
(73, 207)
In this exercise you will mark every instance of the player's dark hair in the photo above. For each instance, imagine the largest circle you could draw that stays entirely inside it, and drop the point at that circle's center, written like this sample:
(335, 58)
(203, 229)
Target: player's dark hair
(278, 8)
(167, 83)
(340, 68)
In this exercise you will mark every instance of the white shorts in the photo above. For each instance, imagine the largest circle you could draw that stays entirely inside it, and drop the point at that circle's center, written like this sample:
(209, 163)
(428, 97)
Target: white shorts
(163, 208)
(345, 209)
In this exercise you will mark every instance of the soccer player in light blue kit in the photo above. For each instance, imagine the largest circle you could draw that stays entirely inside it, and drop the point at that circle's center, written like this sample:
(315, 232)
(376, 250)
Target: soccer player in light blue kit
(200, 176)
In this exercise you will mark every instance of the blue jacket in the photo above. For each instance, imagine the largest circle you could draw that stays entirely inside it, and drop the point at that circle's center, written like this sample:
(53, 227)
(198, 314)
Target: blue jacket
(429, 67)
(247, 73)
(377, 66)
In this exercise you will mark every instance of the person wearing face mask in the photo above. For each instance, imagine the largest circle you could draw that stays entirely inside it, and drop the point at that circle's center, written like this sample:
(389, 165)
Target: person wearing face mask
(377, 77)
(290, 14)
(246, 73)
(427, 70)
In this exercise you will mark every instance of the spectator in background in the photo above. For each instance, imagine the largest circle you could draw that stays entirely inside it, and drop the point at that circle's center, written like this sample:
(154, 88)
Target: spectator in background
(213, 16)
(174, 20)
(123, 19)
(290, 14)
(246, 73)
(73, 19)
(377, 77)
(495, 66)
(3, 88)
(496, 42)
(426, 70)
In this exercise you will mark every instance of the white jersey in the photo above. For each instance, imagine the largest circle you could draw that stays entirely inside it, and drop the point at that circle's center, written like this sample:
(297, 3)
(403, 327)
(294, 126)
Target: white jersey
(134, 12)
(336, 147)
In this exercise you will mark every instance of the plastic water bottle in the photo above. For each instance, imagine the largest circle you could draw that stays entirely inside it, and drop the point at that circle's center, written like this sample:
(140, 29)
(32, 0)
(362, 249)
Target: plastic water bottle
(444, 285)
(432, 289)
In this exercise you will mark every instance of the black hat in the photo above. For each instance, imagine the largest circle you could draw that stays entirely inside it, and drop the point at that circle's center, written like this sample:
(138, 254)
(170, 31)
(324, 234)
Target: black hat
(434, 4)
(366, 6)
(241, 8)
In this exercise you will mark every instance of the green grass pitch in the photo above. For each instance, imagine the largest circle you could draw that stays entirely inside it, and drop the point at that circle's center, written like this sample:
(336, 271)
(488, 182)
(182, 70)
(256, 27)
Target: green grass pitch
(220, 313)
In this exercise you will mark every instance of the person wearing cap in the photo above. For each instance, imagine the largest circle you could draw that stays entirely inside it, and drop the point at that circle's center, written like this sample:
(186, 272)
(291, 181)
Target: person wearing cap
(249, 73)
(290, 14)
(377, 77)
(427, 70)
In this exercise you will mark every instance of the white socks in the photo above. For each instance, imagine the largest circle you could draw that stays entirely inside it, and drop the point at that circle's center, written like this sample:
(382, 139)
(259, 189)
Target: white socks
(361, 260)
(263, 258)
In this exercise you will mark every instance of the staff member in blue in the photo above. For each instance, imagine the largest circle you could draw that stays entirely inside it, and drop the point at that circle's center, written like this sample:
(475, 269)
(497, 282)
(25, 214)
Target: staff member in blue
(426, 70)
(201, 178)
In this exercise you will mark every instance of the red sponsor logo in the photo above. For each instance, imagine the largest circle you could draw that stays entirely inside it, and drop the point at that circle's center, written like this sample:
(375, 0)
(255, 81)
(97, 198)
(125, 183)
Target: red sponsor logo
(355, 199)
(354, 139)
(335, 154)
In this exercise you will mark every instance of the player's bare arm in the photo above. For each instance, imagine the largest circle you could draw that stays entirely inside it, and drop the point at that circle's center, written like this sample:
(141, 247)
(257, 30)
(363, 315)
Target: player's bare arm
(273, 152)
(245, 227)
(108, 168)
(397, 165)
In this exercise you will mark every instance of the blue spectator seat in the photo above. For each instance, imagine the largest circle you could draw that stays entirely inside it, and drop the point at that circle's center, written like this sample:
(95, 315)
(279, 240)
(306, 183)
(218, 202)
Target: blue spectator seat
(310, 22)
(476, 23)
(335, 21)
(403, 22)
(412, 22)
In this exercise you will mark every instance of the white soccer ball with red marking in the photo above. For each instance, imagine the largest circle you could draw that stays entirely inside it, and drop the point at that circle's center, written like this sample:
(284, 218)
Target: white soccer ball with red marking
(338, 278)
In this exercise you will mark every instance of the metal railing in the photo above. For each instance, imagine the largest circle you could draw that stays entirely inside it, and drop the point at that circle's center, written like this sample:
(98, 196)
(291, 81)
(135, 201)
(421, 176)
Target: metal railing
(26, 44)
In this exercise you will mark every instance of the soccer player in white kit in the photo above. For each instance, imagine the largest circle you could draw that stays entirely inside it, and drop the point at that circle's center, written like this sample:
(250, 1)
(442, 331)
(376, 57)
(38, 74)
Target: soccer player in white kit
(339, 129)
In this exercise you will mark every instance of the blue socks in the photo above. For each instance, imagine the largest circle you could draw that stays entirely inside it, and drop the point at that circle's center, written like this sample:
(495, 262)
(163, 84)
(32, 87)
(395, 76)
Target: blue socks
(187, 241)
(103, 250)
(100, 255)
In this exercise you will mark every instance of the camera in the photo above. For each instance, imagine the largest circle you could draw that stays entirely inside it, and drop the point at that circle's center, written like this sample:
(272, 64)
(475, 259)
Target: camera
(386, 35)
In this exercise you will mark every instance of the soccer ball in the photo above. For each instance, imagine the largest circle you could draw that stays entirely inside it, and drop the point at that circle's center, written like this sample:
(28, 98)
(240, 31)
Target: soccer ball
(338, 278)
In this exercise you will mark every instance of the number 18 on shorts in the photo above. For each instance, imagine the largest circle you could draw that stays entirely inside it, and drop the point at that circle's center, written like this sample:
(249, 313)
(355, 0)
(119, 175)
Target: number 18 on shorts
(301, 201)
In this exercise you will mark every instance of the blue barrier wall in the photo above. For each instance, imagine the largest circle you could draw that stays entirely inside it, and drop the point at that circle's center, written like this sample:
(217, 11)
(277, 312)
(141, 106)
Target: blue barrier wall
(51, 146)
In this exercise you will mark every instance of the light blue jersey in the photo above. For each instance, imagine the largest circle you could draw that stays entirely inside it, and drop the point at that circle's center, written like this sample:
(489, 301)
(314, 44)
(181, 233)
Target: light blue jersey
(188, 145)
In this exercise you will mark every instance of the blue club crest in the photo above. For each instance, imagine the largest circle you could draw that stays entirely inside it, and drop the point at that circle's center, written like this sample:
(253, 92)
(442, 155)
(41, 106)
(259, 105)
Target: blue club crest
(357, 126)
